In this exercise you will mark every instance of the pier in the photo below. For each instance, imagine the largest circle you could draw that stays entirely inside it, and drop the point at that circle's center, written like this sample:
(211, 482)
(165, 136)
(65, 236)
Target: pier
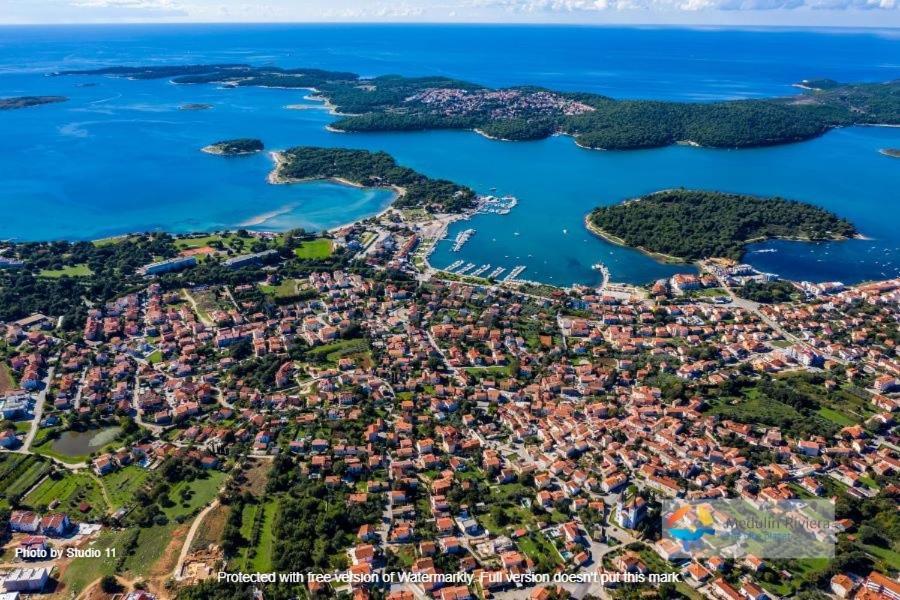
(461, 238)
(604, 273)
(496, 206)
(455, 265)
(480, 270)
(496, 272)
(466, 269)
(517, 270)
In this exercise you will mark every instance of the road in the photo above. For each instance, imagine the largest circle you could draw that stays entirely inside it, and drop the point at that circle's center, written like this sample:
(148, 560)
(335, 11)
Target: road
(38, 411)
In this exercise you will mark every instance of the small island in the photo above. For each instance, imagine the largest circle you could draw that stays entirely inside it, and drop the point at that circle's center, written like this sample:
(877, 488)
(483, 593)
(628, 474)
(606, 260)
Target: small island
(28, 101)
(686, 225)
(195, 106)
(371, 169)
(238, 147)
(891, 152)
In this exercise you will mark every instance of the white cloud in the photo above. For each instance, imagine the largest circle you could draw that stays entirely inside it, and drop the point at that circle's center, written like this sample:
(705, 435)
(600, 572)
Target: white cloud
(569, 6)
(128, 4)
(378, 10)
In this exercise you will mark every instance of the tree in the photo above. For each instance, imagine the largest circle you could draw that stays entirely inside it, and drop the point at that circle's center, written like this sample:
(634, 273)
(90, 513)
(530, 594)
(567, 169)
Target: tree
(110, 585)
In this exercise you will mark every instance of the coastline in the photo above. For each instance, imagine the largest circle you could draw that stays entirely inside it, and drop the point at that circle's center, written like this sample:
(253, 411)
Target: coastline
(216, 151)
(276, 178)
(612, 239)
(675, 260)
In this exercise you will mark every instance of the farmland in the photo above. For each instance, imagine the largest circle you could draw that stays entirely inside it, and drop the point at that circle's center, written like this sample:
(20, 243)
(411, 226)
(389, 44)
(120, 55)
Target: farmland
(19, 473)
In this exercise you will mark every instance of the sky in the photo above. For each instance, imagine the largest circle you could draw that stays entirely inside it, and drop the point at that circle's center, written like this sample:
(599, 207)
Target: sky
(814, 13)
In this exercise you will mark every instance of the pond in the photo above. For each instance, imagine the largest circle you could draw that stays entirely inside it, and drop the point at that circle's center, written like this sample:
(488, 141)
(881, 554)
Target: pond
(81, 443)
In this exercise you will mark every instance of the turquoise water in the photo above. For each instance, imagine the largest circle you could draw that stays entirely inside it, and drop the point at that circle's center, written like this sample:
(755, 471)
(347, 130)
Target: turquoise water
(121, 156)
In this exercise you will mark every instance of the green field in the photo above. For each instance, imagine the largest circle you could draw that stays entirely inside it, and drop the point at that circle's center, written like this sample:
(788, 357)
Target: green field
(109, 241)
(889, 557)
(257, 521)
(70, 271)
(799, 568)
(83, 571)
(835, 417)
(286, 289)
(122, 484)
(248, 518)
(151, 546)
(226, 239)
(7, 381)
(262, 561)
(335, 351)
(19, 473)
(70, 489)
(539, 549)
(314, 249)
(189, 496)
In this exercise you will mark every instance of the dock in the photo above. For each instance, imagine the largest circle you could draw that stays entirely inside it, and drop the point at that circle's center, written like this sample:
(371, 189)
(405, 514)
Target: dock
(466, 269)
(480, 270)
(517, 270)
(604, 272)
(461, 238)
(496, 206)
(455, 265)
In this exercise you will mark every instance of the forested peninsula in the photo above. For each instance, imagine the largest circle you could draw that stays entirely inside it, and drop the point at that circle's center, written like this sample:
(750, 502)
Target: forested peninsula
(693, 225)
(371, 169)
(397, 103)
(28, 101)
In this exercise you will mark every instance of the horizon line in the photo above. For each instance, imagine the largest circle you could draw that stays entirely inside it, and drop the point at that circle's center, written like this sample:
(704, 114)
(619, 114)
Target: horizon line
(460, 24)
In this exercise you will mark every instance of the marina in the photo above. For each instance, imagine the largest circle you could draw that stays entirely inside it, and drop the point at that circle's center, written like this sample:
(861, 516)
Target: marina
(496, 205)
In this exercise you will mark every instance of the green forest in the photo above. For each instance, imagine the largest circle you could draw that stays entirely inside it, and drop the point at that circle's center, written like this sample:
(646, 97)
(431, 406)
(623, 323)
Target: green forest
(235, 147)
(692, 225)
(376, 169)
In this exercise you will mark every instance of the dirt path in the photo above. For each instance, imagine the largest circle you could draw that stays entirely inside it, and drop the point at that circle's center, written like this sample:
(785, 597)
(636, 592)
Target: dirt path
(189, 539)
(109, 504)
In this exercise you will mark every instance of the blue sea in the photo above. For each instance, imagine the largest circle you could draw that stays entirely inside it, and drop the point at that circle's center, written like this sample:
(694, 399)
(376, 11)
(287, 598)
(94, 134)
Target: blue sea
(121, 156)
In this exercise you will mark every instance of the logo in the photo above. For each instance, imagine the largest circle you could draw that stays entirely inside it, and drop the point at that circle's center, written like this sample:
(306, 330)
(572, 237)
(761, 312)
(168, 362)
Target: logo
(688, 524)
(735, 527)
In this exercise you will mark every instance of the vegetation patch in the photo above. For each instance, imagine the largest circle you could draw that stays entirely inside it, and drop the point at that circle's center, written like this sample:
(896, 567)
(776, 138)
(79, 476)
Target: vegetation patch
(692, 225)
(81, 270)
(236, 147)
(372, 169)
(70, 492)
(314, 249)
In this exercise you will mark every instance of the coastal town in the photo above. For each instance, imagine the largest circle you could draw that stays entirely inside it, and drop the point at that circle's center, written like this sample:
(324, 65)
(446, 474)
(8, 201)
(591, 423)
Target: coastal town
(336, 405)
